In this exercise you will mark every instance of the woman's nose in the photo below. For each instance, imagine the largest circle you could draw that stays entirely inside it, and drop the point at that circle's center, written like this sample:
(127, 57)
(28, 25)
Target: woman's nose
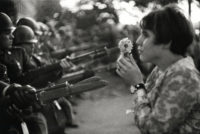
(139, 41)
(11, 36)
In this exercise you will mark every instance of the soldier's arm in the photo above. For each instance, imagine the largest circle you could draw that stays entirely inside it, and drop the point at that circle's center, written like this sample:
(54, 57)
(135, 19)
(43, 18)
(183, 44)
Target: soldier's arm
(3, 88)
(31, 73)
(27, 65)
(12, 94)
(3, 74)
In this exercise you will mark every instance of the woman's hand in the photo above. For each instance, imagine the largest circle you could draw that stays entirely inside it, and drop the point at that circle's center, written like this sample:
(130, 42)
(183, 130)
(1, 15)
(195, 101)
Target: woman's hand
(129, 70)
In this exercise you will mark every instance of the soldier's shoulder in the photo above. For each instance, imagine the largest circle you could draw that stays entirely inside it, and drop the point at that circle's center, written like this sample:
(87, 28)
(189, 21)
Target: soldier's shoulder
(17, 49)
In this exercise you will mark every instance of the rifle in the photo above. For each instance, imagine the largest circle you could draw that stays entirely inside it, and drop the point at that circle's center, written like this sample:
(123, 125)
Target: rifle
(65, 89)
(33, 74)
(77, 76)
(62, 53)
(98, 53)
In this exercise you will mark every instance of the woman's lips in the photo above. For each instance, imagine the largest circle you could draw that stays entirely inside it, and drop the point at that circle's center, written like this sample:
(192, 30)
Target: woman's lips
(139, 51)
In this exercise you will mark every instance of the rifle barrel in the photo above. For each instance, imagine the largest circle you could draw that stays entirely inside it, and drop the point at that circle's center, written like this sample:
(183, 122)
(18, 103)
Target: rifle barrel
(62, 85)
(94, 54)
(70, 90)
(75, 77)
(91, 79)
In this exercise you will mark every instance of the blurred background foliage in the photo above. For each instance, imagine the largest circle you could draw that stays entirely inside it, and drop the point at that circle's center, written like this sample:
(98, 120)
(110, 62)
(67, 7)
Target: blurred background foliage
(45, 9)
(96, 25)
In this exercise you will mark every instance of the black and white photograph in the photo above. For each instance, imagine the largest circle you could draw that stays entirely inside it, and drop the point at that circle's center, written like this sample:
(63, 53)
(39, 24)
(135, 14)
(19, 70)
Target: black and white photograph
(99, 66)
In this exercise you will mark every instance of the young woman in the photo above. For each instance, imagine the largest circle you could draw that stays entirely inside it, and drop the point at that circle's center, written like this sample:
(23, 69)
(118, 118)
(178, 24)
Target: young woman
(168, 102)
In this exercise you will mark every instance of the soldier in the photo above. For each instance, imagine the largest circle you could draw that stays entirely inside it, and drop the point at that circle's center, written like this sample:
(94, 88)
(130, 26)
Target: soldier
(27, 21)
(43, 46)
(6, 50)
(17, 61)
(15, 113)
(46, 42)
(24, 37)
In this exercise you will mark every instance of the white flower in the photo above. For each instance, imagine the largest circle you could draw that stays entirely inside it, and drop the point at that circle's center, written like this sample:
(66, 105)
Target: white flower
(125, 45)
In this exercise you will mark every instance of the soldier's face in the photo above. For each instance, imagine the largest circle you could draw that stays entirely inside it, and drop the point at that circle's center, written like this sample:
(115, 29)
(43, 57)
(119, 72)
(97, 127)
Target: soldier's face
(29, 47)
(6, 39)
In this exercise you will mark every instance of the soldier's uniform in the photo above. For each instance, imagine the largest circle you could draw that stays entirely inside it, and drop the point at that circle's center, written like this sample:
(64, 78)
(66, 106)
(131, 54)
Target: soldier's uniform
(11, 58)
(36, 122)
(60, 112)
(16, 61)
(3, 75)
(22, 70)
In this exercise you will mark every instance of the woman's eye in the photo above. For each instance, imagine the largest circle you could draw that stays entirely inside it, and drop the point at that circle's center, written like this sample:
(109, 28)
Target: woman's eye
(145, 34)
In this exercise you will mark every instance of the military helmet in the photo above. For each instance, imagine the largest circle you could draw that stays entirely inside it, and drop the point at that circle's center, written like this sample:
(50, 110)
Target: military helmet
(30, 22)
(5, 22)
(24, 35)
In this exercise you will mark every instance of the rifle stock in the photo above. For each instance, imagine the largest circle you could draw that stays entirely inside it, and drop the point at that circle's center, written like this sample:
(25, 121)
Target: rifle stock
(68, 90)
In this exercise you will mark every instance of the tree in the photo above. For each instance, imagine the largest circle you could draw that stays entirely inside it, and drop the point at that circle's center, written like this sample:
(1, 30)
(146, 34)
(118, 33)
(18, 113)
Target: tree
(102, 10)
(9, 7)
(47, 8)
(144, 3)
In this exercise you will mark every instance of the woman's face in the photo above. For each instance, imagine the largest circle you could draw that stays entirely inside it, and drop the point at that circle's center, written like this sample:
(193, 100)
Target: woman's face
(147, 49)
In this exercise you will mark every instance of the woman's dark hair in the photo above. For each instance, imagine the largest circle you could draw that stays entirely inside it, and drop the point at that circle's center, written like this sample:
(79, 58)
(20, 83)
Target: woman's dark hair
(170, 25)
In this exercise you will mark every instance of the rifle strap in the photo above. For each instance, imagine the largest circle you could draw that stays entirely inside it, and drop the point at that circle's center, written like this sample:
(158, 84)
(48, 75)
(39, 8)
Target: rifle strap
(24, 128)
(55, 102)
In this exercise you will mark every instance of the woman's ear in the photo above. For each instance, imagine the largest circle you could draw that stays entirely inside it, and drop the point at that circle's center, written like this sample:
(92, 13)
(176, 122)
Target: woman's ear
(166, 45)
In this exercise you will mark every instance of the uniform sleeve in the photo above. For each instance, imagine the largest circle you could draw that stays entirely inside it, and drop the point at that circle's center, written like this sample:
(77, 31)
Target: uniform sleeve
(172, 105)
(3, 85)
(39, 76)
(3, 99)
(27, 65)
(3, 74)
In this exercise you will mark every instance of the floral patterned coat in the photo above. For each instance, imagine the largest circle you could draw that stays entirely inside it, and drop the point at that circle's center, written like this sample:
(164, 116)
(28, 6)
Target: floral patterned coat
(172, 102)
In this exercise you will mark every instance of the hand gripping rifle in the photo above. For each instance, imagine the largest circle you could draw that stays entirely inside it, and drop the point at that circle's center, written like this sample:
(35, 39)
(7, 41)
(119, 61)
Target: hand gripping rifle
(65, 89)
(88, 69)
(98, 53)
